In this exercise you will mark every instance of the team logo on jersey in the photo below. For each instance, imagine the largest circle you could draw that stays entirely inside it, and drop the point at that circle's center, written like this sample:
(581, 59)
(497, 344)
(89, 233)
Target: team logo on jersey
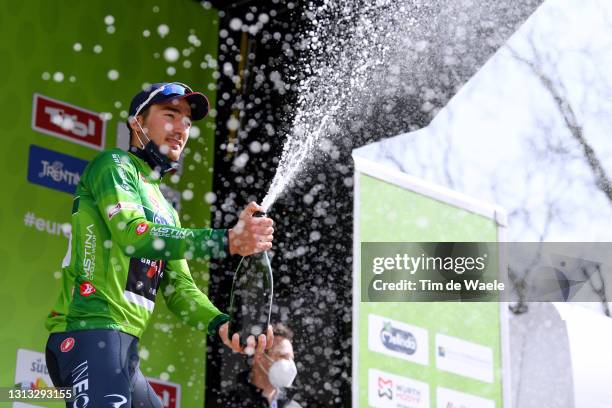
(87, 289)
(159, 218)
(144, 278)
(142, 228)
(154, 201)
(123, 205)
(121, 400)
(152, 271)
(166, 232)
(67, 345)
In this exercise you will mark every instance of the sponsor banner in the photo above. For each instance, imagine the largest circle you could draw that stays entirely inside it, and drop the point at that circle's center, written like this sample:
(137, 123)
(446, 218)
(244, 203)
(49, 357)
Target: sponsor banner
(31, 220)
(54, 170)
(398, 339)
(168, 392)
(68, 122)
(448, 398)
(387, 390)
(464, 358)
(31, 370)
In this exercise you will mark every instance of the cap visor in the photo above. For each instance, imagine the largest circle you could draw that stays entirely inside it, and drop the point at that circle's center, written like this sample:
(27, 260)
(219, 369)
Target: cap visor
(197, 101)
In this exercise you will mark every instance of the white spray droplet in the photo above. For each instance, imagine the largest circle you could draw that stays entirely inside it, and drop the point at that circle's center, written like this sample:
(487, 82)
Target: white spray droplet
(163, 30)
(210, 197)
(113, 74)
(171, 54)
(233, 124)
(187, 195)
(158, 244)
(194, 132)
(235, 24)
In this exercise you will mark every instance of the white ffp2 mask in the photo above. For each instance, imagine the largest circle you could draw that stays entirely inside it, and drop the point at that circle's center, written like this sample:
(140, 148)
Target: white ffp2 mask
(282, 372)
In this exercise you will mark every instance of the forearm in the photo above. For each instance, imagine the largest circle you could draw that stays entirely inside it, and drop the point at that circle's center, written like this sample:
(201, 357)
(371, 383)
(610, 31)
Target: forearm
(195, 310)
(140, 238)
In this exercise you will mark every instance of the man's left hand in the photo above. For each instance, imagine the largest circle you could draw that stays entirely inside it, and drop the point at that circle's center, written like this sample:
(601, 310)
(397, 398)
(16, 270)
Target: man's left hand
(264, 341)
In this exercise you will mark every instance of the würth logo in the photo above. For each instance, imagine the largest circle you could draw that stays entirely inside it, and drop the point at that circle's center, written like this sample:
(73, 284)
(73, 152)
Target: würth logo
(68, 122)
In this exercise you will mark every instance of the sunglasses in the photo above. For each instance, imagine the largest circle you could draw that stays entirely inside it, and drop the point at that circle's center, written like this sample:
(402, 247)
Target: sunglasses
(173, 88)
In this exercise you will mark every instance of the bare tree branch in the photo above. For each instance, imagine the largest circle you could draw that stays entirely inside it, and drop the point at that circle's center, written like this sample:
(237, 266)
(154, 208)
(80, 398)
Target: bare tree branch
(602, 180)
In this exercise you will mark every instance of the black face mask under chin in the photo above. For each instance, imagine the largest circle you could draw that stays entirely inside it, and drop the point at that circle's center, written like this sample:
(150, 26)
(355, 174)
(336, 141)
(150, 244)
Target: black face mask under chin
(155, 158)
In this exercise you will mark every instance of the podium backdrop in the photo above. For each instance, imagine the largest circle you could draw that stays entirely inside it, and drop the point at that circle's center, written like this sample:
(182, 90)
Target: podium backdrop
(83, 61)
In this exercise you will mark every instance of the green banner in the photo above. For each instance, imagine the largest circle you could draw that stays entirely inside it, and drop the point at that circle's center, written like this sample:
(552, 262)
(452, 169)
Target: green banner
(420, 354)
(86, 59)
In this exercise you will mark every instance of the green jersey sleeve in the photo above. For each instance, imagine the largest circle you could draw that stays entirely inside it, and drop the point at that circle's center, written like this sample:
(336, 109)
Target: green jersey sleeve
(116, 185)
(187, 302)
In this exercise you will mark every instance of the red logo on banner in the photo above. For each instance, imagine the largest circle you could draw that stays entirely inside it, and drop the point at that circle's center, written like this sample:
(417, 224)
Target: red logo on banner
(67, 345)
(87, 289)
(142, 228)
(68, 122)
(169, 393)
(385, 388)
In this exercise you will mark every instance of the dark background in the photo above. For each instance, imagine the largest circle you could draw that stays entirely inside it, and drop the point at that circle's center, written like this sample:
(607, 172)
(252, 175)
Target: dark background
(312, 254)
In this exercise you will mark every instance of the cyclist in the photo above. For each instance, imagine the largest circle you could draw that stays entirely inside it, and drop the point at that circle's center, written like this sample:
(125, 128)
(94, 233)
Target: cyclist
(126, 244)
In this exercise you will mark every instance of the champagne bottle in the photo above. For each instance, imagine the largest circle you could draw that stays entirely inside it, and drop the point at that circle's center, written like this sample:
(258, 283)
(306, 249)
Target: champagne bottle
(251, 296)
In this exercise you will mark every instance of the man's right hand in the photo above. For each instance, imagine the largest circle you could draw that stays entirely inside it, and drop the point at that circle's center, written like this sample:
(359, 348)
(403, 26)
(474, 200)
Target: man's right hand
(251, 234)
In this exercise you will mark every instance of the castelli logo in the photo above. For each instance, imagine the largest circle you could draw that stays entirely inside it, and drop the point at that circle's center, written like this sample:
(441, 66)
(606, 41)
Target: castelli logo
(142, 228)
(67, 345)
(87, 289)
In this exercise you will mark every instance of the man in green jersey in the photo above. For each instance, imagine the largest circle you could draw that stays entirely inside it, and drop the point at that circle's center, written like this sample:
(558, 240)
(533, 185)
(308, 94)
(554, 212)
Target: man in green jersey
(126, 244)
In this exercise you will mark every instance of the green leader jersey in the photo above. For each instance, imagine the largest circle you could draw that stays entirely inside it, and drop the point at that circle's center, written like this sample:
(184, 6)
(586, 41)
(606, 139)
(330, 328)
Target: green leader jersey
(126, 245)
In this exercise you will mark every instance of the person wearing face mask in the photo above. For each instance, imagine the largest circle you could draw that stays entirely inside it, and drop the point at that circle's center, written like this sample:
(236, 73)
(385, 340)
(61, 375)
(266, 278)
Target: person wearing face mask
(127, 244)
(268, 383)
